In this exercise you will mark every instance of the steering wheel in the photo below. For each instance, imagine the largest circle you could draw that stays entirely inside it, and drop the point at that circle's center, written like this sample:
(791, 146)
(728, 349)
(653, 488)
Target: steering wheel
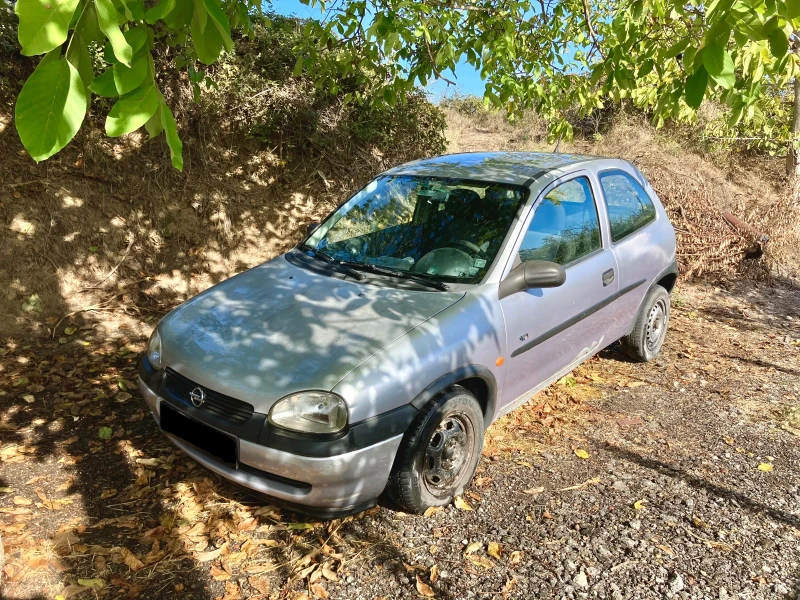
(469, 246)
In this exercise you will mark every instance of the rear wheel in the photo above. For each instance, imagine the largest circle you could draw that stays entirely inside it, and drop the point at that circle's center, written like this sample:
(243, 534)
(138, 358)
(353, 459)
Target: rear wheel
(644, 342)
(439, 452)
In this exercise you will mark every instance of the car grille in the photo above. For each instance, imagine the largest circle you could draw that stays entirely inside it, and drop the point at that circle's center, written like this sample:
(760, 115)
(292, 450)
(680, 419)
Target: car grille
(219, 405)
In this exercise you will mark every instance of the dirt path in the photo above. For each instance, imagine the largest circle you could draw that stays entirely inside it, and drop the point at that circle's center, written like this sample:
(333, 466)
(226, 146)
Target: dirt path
(691, 488)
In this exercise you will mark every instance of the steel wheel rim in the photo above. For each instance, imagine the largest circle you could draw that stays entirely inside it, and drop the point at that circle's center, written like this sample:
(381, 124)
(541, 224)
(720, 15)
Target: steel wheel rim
(447, 454)
(656, 325)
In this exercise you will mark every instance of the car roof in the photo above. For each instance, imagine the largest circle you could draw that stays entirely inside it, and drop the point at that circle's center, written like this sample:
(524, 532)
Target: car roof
(502, 167)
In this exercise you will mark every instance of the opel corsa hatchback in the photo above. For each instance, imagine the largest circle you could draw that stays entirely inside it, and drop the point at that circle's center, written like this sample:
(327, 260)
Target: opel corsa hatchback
(438, 298)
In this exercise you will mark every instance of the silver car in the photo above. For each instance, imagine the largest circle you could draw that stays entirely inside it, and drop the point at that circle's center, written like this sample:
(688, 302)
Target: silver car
(441, 296)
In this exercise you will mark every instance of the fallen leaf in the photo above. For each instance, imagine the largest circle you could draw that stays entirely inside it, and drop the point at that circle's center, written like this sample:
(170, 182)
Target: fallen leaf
(766, 467)
(22, 501)
(70, 330)
(329, 574)
(219, 574)
(462, 504)
(299, 526)
(473, 547)
(581, 453)
(424, 589)
(96, 583)
(108, 493)
(431, 510)
(639, 504)
(516, 557)
(534, 491)
(494, 549)
(319, 591)
(213, 554)
(481, 561)
(260, 584)
(666, 549)
(434, 574)
(131, 560)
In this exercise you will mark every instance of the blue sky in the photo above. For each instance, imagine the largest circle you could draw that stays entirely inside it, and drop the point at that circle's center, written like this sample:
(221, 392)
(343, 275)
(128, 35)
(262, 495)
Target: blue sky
(466, 77)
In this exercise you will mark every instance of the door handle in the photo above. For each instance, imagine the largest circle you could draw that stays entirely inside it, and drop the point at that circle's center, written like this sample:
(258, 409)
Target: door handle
(608, 277)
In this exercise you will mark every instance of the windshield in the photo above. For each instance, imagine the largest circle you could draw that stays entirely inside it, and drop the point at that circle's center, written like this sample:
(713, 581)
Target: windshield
(443, 229)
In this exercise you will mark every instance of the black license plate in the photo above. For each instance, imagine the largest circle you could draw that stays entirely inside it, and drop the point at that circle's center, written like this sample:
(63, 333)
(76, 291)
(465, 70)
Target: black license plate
(203, 437)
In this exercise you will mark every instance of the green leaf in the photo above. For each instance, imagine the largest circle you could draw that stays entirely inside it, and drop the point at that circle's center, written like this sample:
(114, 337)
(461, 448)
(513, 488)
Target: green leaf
(182, 15)
(713, 58)
(104, 85)
(132, 110)
(78, 55)
(107, 16)
(104, 433)
(207, 42)
(792, 9)
(645, 69)
(778, 44)
(201, 14)
(696, 87)
(43, 24)
(50, 108)
(173, 141)
(136, 38)
(128, 79)
(719, 65)
(154, 125)
(159, 11)
(214, 11)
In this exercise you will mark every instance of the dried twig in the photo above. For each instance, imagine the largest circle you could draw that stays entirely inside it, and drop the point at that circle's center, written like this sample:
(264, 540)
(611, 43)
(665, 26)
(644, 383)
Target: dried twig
(114, 270)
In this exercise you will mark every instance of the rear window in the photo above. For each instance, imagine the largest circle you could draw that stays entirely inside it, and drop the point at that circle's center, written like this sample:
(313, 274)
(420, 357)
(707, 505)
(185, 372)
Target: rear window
(629, 206)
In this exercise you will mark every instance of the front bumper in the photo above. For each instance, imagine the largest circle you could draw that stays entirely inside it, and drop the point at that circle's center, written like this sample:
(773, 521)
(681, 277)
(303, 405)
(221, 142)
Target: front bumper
(336, 484)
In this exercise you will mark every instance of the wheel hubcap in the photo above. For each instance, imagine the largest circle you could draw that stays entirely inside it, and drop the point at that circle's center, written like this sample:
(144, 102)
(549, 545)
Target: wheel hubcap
(656, 325)
(447, 454)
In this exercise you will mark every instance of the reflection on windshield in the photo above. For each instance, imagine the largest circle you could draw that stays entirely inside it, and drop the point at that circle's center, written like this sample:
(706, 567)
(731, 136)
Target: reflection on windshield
(445, 229)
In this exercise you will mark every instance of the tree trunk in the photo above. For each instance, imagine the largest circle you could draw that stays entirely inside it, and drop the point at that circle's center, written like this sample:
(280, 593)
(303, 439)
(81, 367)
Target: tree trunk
(793, 156)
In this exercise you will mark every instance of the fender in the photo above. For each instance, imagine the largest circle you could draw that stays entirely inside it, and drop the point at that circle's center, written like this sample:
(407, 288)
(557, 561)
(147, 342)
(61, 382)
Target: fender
(466, 372)
(671, 269)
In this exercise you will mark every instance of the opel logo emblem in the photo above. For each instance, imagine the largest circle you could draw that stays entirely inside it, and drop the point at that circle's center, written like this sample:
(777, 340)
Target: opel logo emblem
(198, 397)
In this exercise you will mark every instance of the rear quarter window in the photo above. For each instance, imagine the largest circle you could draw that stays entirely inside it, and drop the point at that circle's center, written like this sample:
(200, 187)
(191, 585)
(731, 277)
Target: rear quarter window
(629, 207)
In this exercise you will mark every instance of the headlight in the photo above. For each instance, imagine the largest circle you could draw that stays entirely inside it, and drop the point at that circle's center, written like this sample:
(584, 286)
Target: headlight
(310, 412)
(154, 349)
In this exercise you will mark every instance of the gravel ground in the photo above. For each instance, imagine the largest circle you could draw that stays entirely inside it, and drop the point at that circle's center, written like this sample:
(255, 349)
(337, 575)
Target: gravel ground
(689, 488)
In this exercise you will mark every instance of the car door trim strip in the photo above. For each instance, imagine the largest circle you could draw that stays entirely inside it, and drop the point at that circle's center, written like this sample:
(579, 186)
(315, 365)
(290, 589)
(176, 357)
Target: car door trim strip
(576, 319)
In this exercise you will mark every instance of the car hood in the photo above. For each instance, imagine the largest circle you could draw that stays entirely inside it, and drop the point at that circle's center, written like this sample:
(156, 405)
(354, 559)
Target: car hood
(279, 328)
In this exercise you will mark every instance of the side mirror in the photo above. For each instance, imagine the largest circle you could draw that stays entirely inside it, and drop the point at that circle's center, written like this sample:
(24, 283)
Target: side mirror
(532, 274)
(311, 228)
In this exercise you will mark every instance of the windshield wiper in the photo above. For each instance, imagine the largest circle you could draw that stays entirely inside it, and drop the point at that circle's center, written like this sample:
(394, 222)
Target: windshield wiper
(325, 257)
(439, 285)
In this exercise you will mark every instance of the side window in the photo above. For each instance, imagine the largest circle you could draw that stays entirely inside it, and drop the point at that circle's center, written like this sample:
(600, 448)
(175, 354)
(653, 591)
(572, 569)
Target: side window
(564, 227)
(629, 206)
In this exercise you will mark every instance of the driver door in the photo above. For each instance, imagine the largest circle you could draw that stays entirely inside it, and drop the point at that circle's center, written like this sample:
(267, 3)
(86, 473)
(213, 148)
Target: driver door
(549, 331)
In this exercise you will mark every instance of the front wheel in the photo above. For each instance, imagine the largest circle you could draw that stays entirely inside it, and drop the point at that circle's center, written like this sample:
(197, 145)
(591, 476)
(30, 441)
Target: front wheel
(439, 453)
(644, 342)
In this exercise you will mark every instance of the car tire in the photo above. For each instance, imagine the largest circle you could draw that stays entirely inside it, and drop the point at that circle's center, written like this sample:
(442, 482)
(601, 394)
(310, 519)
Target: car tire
(439, 452)
(644, 342)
